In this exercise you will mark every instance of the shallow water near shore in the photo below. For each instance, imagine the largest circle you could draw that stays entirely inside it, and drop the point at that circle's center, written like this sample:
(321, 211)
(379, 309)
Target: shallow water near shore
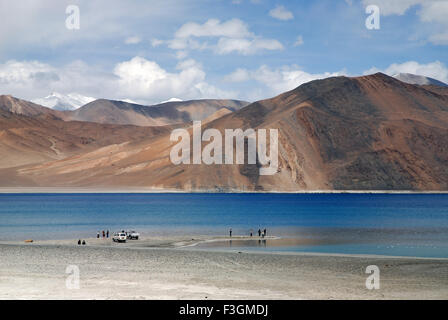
(384, 224)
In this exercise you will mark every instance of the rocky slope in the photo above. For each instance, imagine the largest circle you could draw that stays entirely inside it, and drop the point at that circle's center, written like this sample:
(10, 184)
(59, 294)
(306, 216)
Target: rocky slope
(366, 133)
(119, 112)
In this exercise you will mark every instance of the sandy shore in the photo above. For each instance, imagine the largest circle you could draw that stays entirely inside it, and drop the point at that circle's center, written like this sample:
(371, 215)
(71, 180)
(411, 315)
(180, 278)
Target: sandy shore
(162, 268)
(70, 190)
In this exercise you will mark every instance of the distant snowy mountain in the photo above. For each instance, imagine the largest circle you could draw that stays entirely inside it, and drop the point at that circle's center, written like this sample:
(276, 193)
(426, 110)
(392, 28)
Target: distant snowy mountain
(172, 100)
(57, 101)
(417, 79)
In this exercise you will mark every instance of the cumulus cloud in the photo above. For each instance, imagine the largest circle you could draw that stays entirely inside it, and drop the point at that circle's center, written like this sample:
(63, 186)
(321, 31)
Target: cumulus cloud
(436, 69)
(277, 80)
(233, 36)
(34, 79)
(137, 79)
(146, 80)
(281, 13)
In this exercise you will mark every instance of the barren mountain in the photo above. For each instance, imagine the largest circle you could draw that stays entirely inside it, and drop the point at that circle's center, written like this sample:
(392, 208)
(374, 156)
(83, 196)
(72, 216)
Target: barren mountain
(119, 112)
(372, 133)
(44, 138)
(26, 108)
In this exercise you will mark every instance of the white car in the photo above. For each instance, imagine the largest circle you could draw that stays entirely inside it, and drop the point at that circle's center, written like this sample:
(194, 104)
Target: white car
(133, 235)
(119, 237)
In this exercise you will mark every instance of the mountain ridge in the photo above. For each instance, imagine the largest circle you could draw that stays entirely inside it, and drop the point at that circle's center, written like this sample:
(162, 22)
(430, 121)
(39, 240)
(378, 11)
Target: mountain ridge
(167, 113)
(341, 133)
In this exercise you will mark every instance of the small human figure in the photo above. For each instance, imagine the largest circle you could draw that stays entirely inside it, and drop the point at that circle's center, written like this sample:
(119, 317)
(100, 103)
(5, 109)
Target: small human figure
(230, 232)
(265, 232)
(259, 232)
(83, 242)
(251, 233)
(104, 234)
(107, 234)
(79, 242)
(98, 235)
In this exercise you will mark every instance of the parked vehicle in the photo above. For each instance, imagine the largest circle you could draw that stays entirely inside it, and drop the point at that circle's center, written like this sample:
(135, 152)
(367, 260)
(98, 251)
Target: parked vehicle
(133, 235)
(119, 237)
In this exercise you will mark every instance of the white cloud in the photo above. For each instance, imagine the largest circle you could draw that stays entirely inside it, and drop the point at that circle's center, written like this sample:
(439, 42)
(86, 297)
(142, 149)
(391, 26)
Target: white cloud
(398, 7)
(239, 75)
(133, 40)
(436, 69)
(186, 43)
(156, 42)
(277, 80)
(38, 24)
(299, 41)
(181, 55)
(233, 36)
(22, 73)
(436, 11)
(137, 79)
(233, 28)
(33, 79)
(246, 46)
(430, 11)
(439, 38)
(281, 13)
(146, 80)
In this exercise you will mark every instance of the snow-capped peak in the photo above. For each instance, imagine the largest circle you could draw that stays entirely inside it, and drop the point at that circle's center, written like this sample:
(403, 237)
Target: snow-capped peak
(418, 79)
(58, 101)
(172, 100)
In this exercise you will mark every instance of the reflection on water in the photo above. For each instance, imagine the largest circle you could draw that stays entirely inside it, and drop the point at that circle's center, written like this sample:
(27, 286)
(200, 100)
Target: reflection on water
(433, 249)
(266, 243)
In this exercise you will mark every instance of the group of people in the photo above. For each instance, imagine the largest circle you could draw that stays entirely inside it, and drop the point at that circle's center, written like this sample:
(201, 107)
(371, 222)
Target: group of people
(104, 233)
(261, 234)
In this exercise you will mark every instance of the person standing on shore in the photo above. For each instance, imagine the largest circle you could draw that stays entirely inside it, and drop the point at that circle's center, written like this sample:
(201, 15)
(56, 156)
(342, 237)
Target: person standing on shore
(98, 235)
(230, 232)
(107, 234)
(259, 232)
(264, 232)
(104, 234)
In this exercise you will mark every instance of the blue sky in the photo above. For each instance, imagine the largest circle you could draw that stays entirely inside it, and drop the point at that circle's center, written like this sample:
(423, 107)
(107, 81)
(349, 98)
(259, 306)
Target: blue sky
(150, 51)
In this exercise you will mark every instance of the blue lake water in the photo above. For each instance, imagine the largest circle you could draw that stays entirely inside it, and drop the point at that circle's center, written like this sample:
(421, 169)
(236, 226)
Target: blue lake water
(389, 224)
